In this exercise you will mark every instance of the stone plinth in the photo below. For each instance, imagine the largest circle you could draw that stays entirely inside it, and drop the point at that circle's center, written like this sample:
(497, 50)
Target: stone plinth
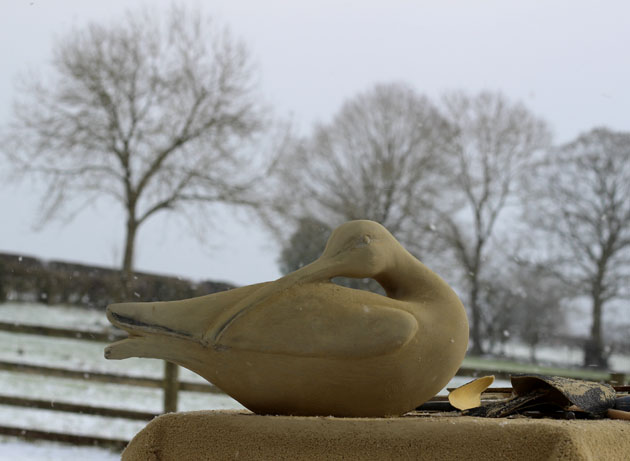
(210, 435)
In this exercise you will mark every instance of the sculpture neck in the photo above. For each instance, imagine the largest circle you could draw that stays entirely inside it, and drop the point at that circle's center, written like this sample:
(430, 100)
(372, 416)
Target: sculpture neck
(410, 279)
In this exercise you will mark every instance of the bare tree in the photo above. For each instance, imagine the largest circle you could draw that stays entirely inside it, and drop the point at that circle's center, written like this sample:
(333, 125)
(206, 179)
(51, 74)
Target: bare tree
(521, 300)
(495, 142)
(305, 245)
(581, 206)
(150, 111)
(378, 159)
(496, 295)
(539, 311)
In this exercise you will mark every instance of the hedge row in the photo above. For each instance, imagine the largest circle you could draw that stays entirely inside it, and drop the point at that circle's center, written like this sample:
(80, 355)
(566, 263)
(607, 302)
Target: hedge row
(24, 278)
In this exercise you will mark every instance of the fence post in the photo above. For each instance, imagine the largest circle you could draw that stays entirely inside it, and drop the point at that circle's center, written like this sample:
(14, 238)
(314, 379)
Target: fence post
(617, 379)
(171, 387)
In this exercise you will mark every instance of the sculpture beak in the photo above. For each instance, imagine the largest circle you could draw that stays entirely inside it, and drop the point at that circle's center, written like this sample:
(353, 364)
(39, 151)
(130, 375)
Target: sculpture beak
(322, 269)
(176, 319)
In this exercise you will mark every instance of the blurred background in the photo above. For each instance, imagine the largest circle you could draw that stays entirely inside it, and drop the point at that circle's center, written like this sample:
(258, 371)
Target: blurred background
(169, 150)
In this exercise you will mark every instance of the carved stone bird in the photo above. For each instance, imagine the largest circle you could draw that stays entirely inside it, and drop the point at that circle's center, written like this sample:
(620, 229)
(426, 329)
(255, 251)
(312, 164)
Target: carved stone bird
(302, 345)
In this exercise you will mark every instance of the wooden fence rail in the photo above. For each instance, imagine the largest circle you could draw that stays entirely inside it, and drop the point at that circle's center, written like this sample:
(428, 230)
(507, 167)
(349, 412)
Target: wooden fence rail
(169, 383)
(100, 377)
(87, 335)
(74, 408)
(31, 434)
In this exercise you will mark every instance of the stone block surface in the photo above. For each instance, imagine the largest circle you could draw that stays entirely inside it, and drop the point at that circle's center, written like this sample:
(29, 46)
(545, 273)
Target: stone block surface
(223, 435)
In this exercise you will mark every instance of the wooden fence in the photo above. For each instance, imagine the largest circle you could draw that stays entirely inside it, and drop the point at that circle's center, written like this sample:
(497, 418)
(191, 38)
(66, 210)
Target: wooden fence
(170, 384)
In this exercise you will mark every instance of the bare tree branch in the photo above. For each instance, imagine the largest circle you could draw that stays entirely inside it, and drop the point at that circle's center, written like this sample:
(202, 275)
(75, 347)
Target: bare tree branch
(495, 142)
(379, 159)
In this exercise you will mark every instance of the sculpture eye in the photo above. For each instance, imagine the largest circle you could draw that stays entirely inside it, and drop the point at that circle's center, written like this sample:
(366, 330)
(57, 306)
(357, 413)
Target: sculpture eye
(363, 241)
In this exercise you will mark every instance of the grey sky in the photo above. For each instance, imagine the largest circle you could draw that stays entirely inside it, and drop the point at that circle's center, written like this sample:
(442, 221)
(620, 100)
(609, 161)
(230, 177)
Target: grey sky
(567, 60)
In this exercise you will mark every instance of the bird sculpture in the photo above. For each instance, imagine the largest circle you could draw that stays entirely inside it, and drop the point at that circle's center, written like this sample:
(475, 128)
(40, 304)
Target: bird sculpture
(303, 345)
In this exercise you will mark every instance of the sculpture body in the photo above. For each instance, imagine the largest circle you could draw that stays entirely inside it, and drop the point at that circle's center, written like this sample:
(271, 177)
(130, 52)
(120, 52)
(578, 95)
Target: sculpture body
(302, 345)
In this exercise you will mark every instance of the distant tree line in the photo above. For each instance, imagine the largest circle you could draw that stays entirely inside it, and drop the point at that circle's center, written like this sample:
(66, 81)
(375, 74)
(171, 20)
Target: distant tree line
(24, 278)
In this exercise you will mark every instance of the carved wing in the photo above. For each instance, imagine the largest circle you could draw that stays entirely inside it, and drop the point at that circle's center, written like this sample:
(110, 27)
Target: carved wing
(322, 320)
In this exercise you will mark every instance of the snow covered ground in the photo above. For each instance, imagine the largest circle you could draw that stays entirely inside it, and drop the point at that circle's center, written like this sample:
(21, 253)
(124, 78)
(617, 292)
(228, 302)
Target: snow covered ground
(15, 449)
(562, 356)
(88, 357)
(54, 316)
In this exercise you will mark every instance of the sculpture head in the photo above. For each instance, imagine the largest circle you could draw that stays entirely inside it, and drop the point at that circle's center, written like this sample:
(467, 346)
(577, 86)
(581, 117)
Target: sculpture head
(357, 249)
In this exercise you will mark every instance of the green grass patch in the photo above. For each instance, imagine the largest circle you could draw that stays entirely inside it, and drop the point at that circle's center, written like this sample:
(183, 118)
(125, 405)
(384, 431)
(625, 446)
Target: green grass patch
(509, 367)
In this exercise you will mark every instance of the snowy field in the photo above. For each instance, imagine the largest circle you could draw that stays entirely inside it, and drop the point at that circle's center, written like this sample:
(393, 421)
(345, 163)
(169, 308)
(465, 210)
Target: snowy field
(18, 450)
(87, 356)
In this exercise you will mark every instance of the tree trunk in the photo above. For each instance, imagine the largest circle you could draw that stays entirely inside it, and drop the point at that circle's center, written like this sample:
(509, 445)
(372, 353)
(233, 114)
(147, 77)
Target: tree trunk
(532, 353)
(127, 265)
(171, 387)
(477, 347)
(473, 277)
(594, 348)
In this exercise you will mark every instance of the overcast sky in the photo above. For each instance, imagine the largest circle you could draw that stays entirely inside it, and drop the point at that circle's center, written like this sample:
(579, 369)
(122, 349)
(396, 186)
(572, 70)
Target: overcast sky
(567, 60)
